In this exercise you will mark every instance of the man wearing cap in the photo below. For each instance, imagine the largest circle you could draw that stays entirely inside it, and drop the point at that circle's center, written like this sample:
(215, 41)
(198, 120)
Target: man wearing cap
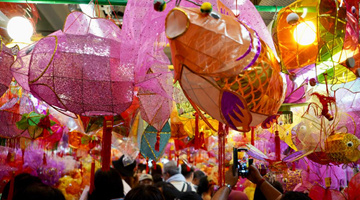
(126, 172)
(146, 179)
(173, 176)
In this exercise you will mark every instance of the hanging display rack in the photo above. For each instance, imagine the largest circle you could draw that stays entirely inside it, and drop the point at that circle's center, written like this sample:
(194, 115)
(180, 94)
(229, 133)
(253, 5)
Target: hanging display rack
(260, 8)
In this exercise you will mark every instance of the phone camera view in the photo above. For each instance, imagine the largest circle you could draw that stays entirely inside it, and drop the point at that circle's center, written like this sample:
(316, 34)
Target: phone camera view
(241, 161)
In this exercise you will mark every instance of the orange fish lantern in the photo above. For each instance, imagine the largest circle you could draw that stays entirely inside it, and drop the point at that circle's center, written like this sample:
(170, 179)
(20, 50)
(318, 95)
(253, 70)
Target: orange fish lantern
(321, 32)
(223, 67)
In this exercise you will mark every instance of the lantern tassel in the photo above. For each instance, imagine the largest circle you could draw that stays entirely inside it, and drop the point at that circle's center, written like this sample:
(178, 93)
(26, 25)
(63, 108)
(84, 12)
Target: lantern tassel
(277, 146)
(106, 143)
(11, 189)
(154, 164)
(92, 175)
(252, 135)
(197, 137)
(44, 159)
(157, 144)
(147, 165)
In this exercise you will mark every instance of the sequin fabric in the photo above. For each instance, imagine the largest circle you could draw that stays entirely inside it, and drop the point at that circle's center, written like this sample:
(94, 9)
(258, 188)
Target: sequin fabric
(8, 127)
(78, 69)
(6, 59)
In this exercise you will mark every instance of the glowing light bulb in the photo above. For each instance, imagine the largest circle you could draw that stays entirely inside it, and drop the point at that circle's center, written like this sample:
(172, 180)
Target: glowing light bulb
(20, 29)
(305, 33)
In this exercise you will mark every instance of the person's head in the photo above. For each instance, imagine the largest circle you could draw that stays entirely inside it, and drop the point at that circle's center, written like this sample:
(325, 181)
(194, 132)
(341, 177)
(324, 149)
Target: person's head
(146, 179)
(291, 195)
(141, 168)
(260, 196)
(205, 186)
(197, 176)
(190, 196)
(22, 181)
(168, 190)
(156, 170)
(126, 168)
(122, 168)
(237, 195)
(156, 173)
(170, 169)
(37, 191)
(144, 192)
(187, 172)
(108, 185)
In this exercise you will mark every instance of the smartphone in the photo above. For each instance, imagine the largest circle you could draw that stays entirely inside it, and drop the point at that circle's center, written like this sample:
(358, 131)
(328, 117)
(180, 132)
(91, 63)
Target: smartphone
(241, 161)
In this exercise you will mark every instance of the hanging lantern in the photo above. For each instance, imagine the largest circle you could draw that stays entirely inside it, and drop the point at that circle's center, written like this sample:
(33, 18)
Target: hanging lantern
(150, 138)
(239, 85)
(322, 32)
(77, 69)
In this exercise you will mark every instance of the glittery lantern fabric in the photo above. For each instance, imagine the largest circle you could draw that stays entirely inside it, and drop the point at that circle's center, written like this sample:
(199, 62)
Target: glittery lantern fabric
(6, 59)
(78, 69)
(8, 127)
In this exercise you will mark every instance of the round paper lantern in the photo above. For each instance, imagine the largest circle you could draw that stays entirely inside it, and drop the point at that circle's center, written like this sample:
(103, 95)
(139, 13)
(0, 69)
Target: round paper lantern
(224, 68)
(78, 69)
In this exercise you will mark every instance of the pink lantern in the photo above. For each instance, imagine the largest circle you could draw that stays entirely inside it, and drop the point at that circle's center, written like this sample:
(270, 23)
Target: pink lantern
(6, 60)
(78, 69)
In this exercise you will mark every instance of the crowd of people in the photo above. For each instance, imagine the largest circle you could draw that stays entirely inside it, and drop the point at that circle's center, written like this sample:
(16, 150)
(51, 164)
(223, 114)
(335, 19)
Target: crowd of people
(131, 182)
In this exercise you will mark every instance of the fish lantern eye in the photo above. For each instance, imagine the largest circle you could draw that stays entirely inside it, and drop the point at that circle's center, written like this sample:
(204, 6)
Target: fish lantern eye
(292, 18)
(215, 15)
(349, 144)
(353, 9)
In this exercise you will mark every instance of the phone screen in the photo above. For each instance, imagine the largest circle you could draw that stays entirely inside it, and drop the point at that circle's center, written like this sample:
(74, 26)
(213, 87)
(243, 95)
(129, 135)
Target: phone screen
(243, 162)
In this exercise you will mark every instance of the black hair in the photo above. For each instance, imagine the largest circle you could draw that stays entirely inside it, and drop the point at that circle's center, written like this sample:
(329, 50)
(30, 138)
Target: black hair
(190, 196)
(168, 190)
(108, 185)
(141, 167)
(199, 174)
(144, 192)
(154, 171)
(157, 178)
(291, 195)
(38, 191)
(203, 185)
(22, 181)
(258, 195)
(185, 171)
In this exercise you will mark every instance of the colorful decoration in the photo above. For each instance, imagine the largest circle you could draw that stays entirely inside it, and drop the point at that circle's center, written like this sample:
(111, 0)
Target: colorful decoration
(239, 85)
(321, 32)
(38, 125)
(149, 139)
(90, 84)
(319, 136)
(206, 7)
